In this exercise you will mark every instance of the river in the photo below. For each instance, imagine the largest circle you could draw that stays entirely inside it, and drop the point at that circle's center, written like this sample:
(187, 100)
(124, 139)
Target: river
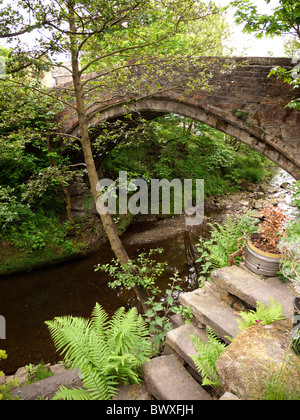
(28, 300)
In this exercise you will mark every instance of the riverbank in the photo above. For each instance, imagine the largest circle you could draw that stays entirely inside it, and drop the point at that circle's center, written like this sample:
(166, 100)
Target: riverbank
(89, 235)
(88, 238)
(252, 198)
(72, 288)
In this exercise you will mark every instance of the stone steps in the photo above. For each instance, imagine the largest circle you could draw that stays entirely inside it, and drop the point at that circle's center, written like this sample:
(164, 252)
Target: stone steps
(250, 288)
(211, 311)
(167, 379)
(216, 305)
(179, 341)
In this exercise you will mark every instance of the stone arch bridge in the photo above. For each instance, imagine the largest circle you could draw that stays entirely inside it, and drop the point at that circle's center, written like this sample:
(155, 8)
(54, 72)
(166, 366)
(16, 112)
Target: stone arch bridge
(243, 103)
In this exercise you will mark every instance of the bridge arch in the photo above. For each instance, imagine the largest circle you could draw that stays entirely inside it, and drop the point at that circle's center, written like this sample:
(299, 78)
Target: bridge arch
(244, 103)
(153, 107)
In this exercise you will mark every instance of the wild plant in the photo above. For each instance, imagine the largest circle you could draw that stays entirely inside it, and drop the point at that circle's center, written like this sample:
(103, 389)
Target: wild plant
(107, 352)
(225, 240)
(262, 314)
(208, 353)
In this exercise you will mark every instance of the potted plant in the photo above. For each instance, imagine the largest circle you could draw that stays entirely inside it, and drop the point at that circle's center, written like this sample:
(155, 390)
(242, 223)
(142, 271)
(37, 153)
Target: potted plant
(262, 255)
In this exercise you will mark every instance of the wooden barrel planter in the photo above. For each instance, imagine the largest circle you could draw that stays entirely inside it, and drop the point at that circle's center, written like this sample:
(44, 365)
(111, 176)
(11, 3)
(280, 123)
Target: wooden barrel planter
(260, 262)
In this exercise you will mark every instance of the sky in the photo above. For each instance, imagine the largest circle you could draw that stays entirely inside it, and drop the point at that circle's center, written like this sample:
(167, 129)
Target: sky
(247, 45)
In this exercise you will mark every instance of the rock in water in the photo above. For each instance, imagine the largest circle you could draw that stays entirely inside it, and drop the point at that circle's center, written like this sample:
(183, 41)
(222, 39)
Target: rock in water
(260, 355)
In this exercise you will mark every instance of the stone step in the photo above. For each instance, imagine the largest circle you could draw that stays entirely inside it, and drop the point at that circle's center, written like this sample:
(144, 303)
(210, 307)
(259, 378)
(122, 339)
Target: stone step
(251, 288)
(211, 311)
(167, 379)
(179, 341)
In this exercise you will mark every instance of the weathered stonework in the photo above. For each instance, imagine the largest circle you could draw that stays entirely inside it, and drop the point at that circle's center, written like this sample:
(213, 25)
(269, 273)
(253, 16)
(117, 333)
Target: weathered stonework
(244, 103)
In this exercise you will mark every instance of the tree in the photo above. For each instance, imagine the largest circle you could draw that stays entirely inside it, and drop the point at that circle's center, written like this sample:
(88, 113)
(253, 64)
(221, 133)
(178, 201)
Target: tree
(284, 20)
(26, 122)
(118, 38)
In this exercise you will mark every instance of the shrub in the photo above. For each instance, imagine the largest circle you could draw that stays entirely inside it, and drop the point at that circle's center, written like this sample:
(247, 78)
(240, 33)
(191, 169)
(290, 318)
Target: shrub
(289, 247)
(272, 228)
(208, 354)
(224, 241)
(262, 314)
(143, 272)
(5, 390)
(108, 353)
(37, 373)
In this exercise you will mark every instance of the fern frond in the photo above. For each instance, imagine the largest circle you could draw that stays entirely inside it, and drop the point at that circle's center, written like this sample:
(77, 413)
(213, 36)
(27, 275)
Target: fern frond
(224, 241)
(107, 353)
(208, 354)
(99, 320)
(128, 333)
(71, 337)
(273, 312)
(263, 314)
(71, 394)
(99, 384)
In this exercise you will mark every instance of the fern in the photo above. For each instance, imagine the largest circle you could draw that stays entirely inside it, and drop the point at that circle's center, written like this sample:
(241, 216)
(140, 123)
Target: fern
(262, 314)
(208, 354)
(107, 352)
(224, 241)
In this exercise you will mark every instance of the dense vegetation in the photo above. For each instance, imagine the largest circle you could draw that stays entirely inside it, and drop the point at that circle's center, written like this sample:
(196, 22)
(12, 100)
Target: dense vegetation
(39, 168)
(174, 147)
(37, 173)
(34, 172)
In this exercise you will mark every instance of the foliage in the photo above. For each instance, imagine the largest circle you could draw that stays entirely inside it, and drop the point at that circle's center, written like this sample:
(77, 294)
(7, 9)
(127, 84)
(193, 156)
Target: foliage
(11, 209)
(5, 390)
(34, 171)
(272, 228)
(225, 240)
(289, 247)
(37, 372)
(143, 271)
(108, 353)
(284, 19)
(25, 120)
(158, 314)
(208, 353)
(35, 231)
(173, 147)
(296, 194)
(262, 314)
(194, 36)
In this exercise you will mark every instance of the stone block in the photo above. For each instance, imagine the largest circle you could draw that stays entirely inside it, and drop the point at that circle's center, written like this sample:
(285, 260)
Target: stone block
(167, 379)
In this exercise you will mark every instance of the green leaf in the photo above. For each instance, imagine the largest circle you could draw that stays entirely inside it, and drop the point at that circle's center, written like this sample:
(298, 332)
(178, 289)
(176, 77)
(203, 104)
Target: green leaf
(159, 321)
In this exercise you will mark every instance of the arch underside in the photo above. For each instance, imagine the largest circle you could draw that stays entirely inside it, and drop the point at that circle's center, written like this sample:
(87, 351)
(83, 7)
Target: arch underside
(152, 108)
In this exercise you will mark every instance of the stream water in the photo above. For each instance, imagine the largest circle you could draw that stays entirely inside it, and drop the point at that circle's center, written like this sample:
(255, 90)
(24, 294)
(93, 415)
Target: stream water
(28, 300)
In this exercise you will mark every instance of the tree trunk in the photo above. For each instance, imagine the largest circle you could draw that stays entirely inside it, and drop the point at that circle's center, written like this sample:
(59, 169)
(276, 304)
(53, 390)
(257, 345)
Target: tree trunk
(106, 219)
